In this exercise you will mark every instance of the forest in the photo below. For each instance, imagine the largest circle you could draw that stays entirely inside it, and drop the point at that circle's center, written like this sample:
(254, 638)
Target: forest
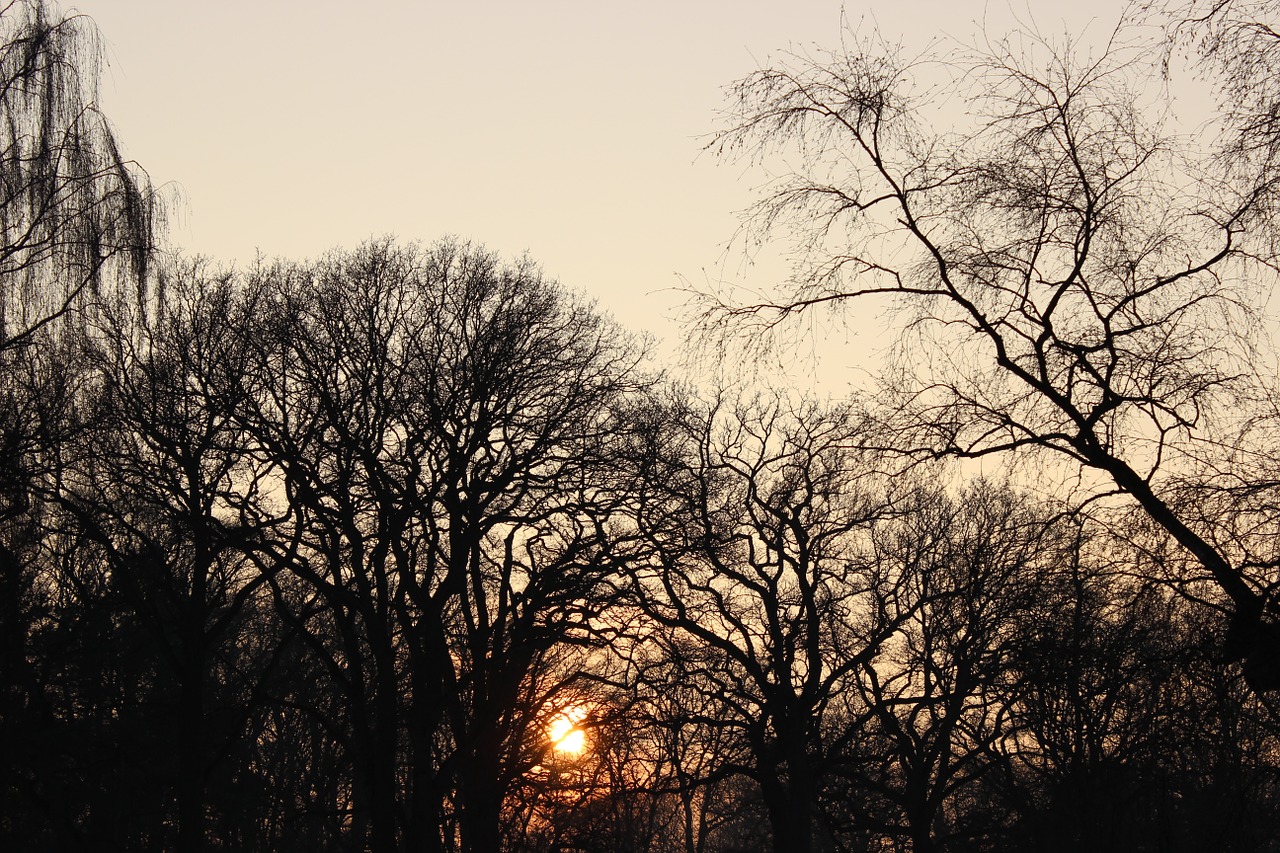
(410, 547)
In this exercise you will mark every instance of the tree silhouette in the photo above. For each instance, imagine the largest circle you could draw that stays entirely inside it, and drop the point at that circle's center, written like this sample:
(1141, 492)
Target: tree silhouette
(159, 477)
(933, 705)
(436, 422)
(70, 204)
(754, 520)
(1078, 283)
(76, 221)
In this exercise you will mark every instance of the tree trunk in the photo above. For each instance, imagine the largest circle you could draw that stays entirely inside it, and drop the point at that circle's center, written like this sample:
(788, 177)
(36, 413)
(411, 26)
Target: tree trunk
(790, 805)
(190, 788)
(482, 792)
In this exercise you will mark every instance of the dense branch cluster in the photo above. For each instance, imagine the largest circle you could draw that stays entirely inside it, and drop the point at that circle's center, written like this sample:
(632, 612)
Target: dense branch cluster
(409, 548)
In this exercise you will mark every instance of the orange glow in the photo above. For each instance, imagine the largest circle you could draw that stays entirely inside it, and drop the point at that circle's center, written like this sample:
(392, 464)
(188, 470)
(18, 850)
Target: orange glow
(564, 733)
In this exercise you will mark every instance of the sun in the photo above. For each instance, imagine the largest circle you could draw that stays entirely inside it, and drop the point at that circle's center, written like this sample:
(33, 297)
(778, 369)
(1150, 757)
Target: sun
(564, 733)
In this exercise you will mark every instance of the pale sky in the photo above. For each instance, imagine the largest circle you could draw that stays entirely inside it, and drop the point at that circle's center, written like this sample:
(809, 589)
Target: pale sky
(570, 129)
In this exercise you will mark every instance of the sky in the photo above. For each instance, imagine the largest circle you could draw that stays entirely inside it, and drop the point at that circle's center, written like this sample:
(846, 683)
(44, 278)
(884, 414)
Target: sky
(568, 129)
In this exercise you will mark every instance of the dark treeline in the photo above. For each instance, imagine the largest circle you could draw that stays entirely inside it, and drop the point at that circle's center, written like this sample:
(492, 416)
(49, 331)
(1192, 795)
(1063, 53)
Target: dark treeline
(314, 556)
(331, 555)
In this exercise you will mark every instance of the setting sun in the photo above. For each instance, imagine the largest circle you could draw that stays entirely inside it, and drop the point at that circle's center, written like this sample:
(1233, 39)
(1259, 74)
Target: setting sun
(564, 732)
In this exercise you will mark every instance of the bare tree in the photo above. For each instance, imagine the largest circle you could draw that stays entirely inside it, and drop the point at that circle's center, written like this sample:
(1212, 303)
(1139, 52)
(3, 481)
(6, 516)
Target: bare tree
(1106, 697)
(160, 478)
(70, 204)
(933, 710)
(683, 710)
(516, 406)
(75, 218)
(1234, 44)
(755, 521)
(1072, 281)
(437, 420)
